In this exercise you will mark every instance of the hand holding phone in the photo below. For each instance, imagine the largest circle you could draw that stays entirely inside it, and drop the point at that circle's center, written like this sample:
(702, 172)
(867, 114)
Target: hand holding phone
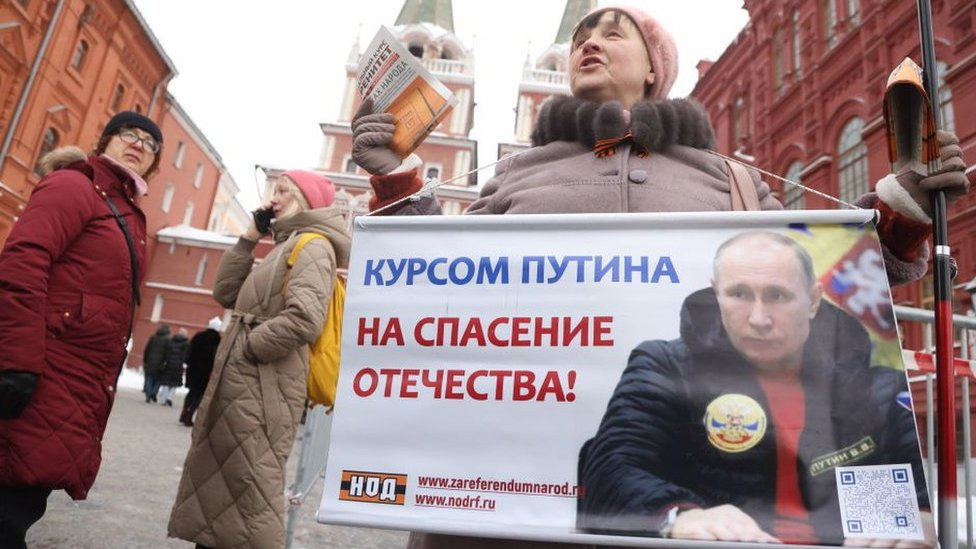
(262, 219)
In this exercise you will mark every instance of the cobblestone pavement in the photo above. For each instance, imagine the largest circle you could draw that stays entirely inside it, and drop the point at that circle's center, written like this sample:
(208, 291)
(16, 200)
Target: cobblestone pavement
(128, 507)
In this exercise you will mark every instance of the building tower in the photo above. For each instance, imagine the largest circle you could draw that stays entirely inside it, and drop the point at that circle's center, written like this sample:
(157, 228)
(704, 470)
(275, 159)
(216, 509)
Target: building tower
(426, 28)
(547, 77)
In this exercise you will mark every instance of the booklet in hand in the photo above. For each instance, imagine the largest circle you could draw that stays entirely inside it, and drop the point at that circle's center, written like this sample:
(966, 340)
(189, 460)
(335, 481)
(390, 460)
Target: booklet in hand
(912, 140)
(401, 86)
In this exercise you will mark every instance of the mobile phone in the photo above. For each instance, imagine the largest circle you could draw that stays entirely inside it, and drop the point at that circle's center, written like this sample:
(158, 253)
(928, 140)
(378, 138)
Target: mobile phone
(262, 219)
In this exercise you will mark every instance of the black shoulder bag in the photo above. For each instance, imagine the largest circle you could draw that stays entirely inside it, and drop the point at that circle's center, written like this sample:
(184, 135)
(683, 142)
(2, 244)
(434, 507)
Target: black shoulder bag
(133, 262)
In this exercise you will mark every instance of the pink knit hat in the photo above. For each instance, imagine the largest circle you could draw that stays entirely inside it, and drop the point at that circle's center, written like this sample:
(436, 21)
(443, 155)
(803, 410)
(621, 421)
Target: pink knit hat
(318, 190)
(660, 48)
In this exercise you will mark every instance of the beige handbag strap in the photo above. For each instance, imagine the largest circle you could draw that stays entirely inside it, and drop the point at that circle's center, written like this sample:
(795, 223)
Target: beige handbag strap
(741, 187)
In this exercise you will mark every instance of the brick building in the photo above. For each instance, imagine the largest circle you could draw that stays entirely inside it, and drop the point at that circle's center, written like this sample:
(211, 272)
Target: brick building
(799, 93)
(66, 67)
(192, 192)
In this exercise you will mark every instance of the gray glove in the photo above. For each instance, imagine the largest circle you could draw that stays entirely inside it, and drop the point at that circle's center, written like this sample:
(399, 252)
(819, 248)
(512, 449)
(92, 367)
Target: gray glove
(951, 178)
(371, 134)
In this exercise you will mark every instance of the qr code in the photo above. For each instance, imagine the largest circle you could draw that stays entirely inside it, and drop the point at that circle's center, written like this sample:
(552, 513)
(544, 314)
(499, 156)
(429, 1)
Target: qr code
(879, 501)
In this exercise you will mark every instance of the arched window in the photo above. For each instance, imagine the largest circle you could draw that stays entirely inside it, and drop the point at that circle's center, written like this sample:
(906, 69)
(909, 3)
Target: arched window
(948, 114)
(417, 50)
(779, 60)
(792, 195)
(81, 52)
(188, 213)
(201, 270)
(168, 197)
(48, 143)
(740, 119)
(830, 22)
(797, 45)
(157, 310)
(180, 152)
(854, 12)
(117, 98)
(852, 167)
(198, 176)
(433, 172)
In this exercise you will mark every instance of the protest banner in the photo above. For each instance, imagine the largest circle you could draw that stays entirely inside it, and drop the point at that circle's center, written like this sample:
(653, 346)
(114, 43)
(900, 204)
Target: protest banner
(586, 378)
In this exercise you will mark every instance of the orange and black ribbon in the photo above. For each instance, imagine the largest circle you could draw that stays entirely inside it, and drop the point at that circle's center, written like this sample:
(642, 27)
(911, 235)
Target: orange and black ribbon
(606, 148)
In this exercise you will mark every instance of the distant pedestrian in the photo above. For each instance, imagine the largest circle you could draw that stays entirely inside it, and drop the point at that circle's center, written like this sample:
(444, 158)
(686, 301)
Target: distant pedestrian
(171, 375)
(152, 361)
(69, 276)
(199, 364)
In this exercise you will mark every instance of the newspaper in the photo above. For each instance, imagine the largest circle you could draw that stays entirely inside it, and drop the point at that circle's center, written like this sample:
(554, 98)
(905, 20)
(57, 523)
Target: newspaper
(912, 140)
(401, 86)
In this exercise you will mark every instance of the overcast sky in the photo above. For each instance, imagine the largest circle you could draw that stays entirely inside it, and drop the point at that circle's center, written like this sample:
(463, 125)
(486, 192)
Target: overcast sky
(257, 77)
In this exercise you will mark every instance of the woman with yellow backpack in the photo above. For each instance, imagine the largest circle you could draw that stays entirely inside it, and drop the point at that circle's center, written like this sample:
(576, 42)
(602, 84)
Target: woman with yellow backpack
(232, 490)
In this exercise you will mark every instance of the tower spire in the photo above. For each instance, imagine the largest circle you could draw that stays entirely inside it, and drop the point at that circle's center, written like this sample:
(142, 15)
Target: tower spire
(575, 10)
(437, 12)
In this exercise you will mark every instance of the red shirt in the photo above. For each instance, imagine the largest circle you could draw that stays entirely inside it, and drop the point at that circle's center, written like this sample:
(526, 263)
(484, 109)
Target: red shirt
(784, 393)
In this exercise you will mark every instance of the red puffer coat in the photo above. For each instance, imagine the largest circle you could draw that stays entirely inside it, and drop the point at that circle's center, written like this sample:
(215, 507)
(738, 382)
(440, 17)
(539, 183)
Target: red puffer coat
(65, 305)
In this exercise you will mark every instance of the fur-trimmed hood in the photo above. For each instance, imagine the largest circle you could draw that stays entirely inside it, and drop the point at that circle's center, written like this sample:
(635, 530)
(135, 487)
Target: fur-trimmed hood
(654, 124)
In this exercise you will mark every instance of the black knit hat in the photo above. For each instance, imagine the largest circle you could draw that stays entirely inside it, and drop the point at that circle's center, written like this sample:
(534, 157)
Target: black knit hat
(132, 119)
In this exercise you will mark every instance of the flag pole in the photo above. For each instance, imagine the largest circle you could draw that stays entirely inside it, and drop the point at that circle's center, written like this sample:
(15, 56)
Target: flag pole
(944, 336)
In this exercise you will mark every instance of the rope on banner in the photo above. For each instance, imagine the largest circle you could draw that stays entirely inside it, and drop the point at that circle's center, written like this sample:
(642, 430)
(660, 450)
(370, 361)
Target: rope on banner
(430, 184)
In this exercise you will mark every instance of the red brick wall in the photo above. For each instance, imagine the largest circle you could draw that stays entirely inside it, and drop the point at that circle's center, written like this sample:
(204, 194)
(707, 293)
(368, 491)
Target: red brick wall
(75, 103)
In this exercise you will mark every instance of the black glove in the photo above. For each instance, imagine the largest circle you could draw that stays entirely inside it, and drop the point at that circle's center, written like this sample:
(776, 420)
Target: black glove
(16, 390)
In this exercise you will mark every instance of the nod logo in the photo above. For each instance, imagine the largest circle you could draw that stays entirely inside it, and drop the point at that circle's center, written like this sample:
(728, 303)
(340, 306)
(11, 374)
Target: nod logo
(388, 488)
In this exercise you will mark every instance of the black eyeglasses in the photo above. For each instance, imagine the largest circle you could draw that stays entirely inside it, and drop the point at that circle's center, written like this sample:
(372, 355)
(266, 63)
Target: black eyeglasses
(148, 143)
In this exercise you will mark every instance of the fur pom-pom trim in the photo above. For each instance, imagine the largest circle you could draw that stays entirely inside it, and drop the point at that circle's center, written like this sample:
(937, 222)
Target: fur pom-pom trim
(654, 125)
(59, 158)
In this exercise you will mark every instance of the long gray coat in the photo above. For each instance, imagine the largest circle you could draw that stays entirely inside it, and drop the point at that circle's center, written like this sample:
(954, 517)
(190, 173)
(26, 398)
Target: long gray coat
(231, 494)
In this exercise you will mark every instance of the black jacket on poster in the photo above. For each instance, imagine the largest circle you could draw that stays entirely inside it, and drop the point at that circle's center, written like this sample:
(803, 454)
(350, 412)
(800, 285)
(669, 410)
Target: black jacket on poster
(651, 451)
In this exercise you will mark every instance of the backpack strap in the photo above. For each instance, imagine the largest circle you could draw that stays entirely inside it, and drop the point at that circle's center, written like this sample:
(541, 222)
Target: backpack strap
(304, 239)
(742, 189)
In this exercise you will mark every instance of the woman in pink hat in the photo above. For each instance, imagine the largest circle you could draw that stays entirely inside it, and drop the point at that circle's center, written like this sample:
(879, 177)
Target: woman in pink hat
(232, 490)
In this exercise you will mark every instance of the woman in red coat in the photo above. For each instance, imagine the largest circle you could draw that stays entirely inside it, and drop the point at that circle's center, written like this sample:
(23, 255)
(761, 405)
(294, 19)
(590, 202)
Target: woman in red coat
(68, 280)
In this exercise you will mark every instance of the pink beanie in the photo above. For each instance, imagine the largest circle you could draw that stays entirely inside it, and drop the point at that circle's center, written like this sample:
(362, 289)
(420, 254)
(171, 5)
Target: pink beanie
(660, 48)
(318, 190)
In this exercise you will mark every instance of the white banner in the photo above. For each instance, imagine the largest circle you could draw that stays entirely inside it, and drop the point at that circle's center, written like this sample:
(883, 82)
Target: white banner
(480, 355)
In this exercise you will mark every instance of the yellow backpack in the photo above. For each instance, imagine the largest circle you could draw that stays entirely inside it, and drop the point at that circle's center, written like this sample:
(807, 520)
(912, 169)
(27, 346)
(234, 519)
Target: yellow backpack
(323, 355)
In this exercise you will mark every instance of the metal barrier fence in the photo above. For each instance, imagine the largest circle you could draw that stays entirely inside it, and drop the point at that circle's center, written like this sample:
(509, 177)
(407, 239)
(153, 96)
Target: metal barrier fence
(315, 434)
(922, 371)
(312, 457)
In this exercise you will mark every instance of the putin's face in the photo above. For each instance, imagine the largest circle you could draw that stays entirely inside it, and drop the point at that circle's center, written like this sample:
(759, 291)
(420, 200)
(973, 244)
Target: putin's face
(766, 302)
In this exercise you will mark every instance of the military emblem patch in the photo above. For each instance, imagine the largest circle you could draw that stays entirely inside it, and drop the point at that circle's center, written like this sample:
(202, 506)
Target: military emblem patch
(734, 422)
(904, 400)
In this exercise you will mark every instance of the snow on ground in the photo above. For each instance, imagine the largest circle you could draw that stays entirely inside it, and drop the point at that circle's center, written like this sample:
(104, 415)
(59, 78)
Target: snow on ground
(132, 378)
